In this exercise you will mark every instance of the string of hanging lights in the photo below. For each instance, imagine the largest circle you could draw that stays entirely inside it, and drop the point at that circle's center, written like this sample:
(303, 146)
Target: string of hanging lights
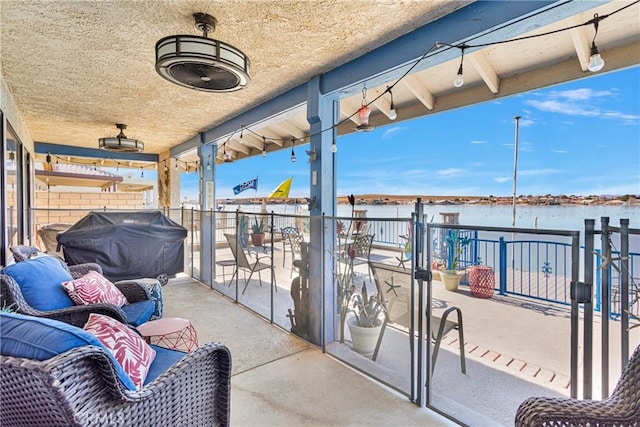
(596, 63)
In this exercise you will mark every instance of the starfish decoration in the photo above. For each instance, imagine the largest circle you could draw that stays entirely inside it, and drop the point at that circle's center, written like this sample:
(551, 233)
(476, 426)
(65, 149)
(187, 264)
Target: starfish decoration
(608, 260)
(392, 287)
(313, 155)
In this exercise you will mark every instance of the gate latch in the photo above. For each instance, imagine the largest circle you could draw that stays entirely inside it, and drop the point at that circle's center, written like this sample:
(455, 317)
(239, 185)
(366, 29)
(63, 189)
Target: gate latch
(581, 292)
(424, 275)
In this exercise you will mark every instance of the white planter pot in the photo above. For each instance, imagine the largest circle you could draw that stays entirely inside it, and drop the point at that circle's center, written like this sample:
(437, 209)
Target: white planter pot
(364, 339)
(450, 279)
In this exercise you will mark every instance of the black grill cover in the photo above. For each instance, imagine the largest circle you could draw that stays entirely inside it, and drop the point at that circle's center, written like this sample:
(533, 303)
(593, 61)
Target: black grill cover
(127, 245)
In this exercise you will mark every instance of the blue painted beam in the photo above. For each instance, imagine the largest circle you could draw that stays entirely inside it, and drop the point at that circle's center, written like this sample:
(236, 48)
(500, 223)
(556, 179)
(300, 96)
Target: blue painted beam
(186, 146)
(277, 105)
(68, 150)
(483, 19)
(480, 21)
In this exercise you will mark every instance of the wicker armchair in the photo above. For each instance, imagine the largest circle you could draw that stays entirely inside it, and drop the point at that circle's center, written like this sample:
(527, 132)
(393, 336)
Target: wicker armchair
(135, 291)
(622, 408)
(11, 297)
(23, 253)
(79, 388)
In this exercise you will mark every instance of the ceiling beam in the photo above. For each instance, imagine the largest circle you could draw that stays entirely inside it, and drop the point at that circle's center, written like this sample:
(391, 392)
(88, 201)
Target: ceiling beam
(553, 74)
(237, 146)
(291, 129)
(348, 107)
(251, 140)
(486, 71)
(580, 41)
(481, 21)
(419, 90)
(383, 103)
(70, 150)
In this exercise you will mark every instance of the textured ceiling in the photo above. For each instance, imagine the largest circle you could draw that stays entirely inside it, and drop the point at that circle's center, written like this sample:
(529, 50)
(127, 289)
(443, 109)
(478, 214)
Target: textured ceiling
(76, 68)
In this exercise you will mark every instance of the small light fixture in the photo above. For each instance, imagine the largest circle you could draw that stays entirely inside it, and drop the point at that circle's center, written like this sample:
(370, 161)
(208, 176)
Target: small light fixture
(209, 163)
(121, 142)
(141, 172)
(392, 110)
(595, 60)
(363, 114)
(264, 147)
(459, 81)
(293, 154)
(334, 147)
(202, 63)
(48, 158)
(226, 156)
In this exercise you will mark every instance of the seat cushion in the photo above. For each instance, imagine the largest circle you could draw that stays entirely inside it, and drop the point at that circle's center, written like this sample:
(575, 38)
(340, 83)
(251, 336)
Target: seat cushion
(139, 312)
(40, 280)
(94, 288)
(129, 348)
(165, 358)
(39, 338)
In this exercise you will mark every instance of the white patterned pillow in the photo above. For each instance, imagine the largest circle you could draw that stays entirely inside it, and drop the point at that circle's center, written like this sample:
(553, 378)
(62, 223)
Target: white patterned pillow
(129, 348)
(94, 288)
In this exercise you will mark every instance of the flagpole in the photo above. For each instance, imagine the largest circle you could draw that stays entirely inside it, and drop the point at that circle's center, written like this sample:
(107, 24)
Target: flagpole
(515, 172)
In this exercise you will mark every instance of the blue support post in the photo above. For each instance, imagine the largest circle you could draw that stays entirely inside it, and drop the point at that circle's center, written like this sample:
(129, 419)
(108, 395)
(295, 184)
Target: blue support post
(322, 113)
(503, 267)
(207, 154)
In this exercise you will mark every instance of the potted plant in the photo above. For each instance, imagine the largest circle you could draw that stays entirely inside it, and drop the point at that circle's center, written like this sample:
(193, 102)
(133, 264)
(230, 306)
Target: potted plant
(450, 275)
(257, 232)
(366, 322)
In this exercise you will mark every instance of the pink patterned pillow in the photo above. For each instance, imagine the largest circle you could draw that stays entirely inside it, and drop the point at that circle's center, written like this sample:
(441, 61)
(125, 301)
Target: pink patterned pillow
(129, 348)
(94, 288)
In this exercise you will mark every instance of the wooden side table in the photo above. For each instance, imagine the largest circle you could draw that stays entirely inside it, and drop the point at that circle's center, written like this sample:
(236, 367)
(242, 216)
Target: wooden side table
(174, 333)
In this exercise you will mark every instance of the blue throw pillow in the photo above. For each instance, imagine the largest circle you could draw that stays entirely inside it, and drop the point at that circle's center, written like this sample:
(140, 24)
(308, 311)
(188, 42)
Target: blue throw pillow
(40, 280)
(40, 338)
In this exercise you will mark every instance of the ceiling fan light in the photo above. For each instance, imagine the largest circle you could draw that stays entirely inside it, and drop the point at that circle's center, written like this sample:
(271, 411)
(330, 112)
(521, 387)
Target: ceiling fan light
(201, 63)
(120, 142)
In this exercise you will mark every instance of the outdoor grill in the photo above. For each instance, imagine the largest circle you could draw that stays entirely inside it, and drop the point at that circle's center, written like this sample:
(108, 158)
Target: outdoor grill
(127, 245)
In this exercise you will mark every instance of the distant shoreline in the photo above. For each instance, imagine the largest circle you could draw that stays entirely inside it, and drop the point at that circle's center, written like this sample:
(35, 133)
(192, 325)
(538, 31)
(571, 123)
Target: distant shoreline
(386, 199)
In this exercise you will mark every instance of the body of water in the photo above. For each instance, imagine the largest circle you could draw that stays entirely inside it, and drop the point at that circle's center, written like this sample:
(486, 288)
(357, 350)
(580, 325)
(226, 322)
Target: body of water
(564, 217)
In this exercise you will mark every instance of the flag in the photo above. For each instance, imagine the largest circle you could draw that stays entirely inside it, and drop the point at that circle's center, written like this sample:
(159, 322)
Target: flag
(282, 192)
(245, 186)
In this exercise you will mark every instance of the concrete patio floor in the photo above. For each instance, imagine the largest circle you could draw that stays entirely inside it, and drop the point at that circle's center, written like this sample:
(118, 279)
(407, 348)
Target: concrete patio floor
(278, 379)
(516, 347)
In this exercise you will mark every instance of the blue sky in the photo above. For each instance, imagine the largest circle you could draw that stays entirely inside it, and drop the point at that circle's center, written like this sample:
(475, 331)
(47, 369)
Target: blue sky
(580, 138)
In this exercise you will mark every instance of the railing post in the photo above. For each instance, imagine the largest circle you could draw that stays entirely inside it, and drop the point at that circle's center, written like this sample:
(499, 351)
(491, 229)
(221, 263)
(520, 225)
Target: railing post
(597, 280)
(503, 266)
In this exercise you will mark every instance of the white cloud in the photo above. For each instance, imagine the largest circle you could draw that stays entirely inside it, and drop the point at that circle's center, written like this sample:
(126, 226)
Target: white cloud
(560, 151)
(478, 142)
(581, 102)
(538, 172)
(450, 172)
(389, 132)
(527, 122)
(501, 179)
